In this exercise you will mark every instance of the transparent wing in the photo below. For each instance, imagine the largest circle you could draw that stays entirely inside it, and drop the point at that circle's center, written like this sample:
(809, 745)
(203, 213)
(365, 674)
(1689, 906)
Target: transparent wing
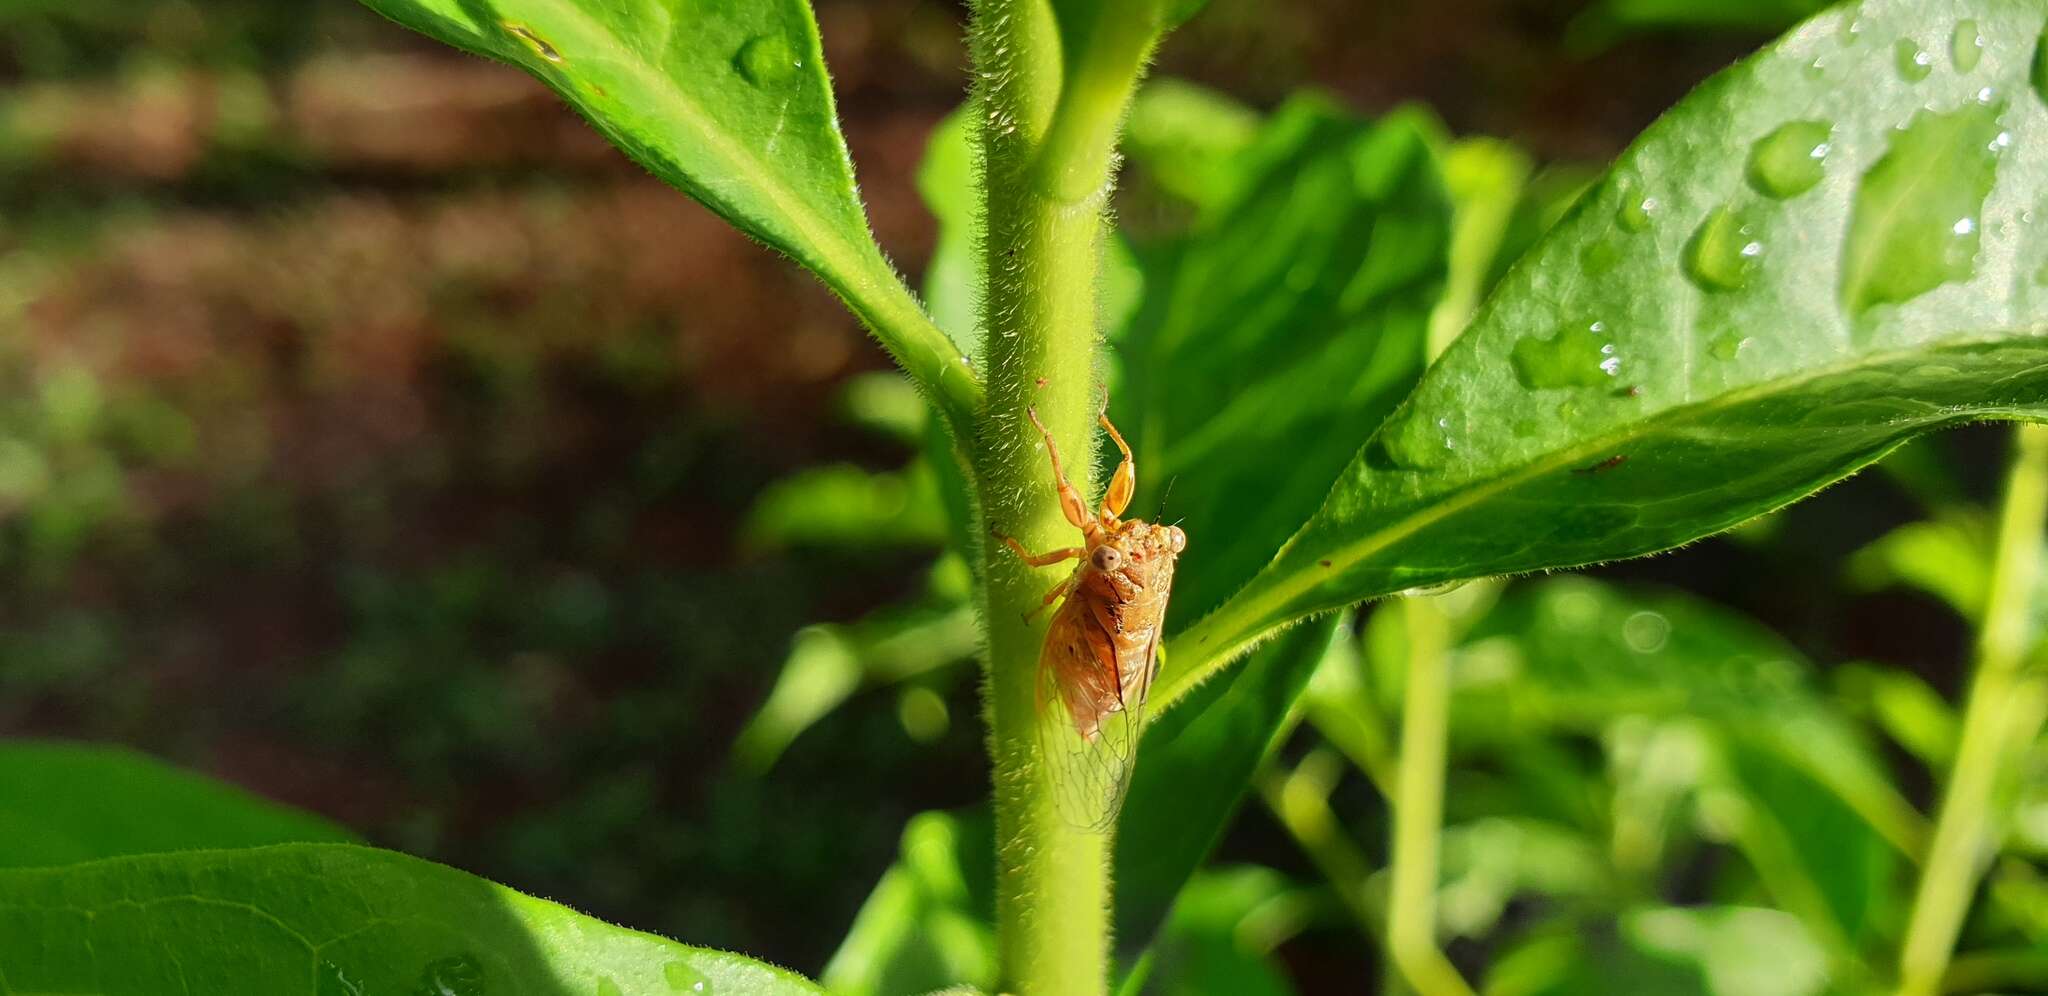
(1091, 715)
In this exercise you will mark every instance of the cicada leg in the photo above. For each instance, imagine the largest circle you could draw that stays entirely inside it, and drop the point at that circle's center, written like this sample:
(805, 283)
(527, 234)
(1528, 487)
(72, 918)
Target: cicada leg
(1124, 482)
(1071, 504)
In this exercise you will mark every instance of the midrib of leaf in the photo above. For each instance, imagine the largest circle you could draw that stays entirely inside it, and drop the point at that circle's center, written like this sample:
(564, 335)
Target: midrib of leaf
(859, 272)
(1232, 628)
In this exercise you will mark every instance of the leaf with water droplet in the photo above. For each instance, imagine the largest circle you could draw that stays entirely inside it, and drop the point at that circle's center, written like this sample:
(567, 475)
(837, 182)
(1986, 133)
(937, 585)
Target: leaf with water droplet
(1725, 252)
(455, 975)
(730, 103)
(768, 60)
(1709, 441)
(330, 980)
(1578, 355)
(1636, 209)
(1791, 159)
(1915, 225)
(1913, 61)
(1965, 46)
(684, 979)
(1727, 346)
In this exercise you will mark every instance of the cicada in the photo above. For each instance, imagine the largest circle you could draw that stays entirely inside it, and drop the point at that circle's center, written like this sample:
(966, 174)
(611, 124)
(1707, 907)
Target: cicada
(1102, 648)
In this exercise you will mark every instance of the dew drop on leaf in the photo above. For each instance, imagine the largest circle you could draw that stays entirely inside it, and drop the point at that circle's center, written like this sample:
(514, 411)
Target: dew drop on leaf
(684, 979)
(1599, 258)
(1724, 253)
(606, 987)
(1915, 222)
(1636, 209)
(1435, 589)
(1966, 46)
(1727, 346)
(2039, 70)
(1790, 160)
(332, 981)
(534, 41)
(1913, 61)
(1418, 442)
(1577, 356)
(767, 60)
(457, 975)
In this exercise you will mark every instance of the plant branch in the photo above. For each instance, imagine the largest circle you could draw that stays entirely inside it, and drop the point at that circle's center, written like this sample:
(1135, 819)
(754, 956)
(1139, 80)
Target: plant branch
(2004, 711)
(878, 297)
(1040, 262)
(1419, 804)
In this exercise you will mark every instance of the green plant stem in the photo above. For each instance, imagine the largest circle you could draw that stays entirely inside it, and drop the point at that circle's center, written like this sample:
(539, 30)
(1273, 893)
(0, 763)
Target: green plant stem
(1419, 805)
(2004, 711)
(1300, 800)
(1040, 260)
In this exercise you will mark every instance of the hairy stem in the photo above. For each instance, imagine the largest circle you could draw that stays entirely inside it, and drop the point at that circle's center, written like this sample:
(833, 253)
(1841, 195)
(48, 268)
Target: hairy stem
(1419, 805)
(1040, 260)
(2004, 711)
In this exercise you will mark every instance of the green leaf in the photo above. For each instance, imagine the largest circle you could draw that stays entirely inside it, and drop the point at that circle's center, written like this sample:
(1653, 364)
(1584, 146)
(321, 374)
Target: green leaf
(1689, 348)
(332, 920)
(1187, 139)
(928, 923)
(1695, 700)
(846, 507)
(1194, 766)
(63, 803)
(827, 663)
(731, 104)
(1279, 332)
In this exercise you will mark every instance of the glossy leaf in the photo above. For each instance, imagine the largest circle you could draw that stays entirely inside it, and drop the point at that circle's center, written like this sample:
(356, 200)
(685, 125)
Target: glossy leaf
(731, 104)
(62, 803)
(329, 919)
(1688, 349)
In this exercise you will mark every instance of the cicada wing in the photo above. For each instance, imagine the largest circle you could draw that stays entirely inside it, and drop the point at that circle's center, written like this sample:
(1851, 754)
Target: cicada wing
(1091, 715)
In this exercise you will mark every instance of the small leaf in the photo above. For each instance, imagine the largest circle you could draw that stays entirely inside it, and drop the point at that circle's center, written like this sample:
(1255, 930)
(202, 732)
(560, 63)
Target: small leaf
(1732, 376)
(360, 920)
(65, 803)
(846, 507)
(731, 104)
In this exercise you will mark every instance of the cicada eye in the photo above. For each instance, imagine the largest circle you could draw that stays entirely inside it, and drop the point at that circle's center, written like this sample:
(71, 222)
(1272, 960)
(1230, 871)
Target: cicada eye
(1176, 539)
(1106, 558)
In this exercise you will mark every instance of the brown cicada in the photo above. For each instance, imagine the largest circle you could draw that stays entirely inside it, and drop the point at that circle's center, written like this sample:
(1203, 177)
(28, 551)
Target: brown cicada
(1102, 648)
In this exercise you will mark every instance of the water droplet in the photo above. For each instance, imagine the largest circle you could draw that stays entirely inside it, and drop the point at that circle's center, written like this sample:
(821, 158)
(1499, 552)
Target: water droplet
(533, 41)
(458, 975)
(1598, 258)
(2039, 73)
(1790, 160)
(332, 981)
(1814, 70)
(1418, 442)
(1724, 253)
(1577, 356)
(1728, 346)
(1636, 209)
(606, 987)
(1568, 410)
(1966, 46)
(1443, 588)
(767, 60)
(1908, 235)
(1646, 632)
(684, 979)
(1913, 61)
